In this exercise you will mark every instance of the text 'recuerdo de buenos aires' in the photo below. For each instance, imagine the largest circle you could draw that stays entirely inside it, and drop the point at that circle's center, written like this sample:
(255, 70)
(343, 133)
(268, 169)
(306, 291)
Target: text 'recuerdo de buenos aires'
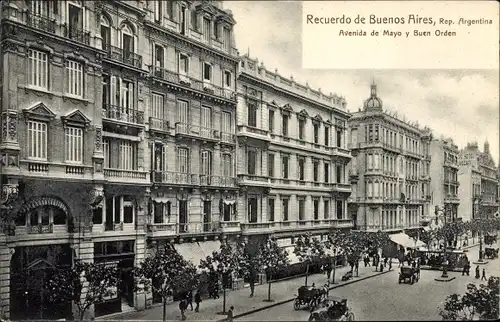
(372, 19)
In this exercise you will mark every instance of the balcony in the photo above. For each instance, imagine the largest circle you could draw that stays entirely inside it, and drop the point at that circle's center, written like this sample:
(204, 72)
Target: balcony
(124, 56)
(341, 152)
(160, 125)
(253, 132)
(113, 228)
(122, 114)
(353, 174)
(161, 229)
(228, 138)
(448, 163)
(174, 178)
(253, 180)
(196, 131)
(451, 182)
(126, 176)
(55, 170)
(451, 199)
(258, 227)
(40, 22)
(341, 187)
(217, 181)
(192, 83)
(374, 172)
(198, 228)
(230, 226)
(342, 223)
(76, 34)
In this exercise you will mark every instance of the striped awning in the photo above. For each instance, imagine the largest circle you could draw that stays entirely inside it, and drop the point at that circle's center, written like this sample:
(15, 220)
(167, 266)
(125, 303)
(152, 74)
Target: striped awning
(191, 252)
(209, 246)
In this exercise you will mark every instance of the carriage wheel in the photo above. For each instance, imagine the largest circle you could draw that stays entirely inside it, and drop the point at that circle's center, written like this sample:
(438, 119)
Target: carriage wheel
(296, 304)
(350, 316)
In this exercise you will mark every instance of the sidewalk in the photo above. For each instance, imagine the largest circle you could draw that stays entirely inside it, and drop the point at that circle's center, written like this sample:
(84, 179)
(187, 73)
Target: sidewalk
(281, 292)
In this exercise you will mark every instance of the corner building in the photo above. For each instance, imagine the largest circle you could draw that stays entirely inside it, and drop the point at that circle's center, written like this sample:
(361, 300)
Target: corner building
(292, 156)
(118, 134)
(389, 171)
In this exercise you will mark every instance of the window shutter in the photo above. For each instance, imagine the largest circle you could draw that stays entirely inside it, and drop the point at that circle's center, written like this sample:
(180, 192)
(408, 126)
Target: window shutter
(164, 157)
(131, 95)
(113, 94)
(86, 18)
(136, 41)
(153, 152)
(119, 94)
(112, 35)
(153, 55)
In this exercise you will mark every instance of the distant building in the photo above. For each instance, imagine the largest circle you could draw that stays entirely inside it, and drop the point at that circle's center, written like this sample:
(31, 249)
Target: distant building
(478, 179)
(444, 177)
(389, 171)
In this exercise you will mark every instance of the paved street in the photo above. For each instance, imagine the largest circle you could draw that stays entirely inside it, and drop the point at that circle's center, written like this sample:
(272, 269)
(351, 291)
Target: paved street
(383, 299)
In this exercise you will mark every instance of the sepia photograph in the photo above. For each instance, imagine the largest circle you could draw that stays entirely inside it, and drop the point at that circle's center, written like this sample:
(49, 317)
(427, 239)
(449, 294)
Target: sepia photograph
(249, 160)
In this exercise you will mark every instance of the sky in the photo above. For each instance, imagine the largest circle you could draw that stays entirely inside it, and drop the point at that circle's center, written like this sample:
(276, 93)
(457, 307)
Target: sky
(461, 104)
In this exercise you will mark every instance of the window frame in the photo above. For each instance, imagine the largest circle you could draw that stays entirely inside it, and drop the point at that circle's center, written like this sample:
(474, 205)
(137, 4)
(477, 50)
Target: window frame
(44, 146)
(31, 65)
(81, 79)
(211, 68)
(80, 150)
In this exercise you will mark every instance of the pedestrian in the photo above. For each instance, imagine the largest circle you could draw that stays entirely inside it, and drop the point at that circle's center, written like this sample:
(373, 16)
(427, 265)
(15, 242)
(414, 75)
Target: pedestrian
(385, 261)
(197, 300)
(468, 268)
(230, 314)
(464, 270)
(216, 289)
(381, 267)
(484, 275)
(390, 263)
(328, 271)
(252, 281)
(189, 299)
(477, 272)
(356, 267)
(182, 307)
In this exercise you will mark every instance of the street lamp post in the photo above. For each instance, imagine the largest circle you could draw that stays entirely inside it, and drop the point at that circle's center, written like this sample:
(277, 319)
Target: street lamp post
(445, 262)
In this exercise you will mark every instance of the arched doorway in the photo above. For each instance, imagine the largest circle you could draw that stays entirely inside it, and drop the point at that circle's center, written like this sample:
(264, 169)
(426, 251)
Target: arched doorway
(31, 268)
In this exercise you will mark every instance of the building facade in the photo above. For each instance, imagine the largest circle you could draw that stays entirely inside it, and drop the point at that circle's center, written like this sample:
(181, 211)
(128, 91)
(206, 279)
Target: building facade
(444, 178)
(389, 171)
(292, 156)
(478, 175)
(119, 134)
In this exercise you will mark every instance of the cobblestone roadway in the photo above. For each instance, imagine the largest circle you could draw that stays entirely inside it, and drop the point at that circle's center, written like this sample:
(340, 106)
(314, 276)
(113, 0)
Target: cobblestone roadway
(383, 299)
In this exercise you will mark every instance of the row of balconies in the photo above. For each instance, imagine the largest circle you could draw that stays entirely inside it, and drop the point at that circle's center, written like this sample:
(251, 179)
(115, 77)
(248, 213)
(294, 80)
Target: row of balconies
(251, 180)
(390, 200)
(452, 164)
(451, 182)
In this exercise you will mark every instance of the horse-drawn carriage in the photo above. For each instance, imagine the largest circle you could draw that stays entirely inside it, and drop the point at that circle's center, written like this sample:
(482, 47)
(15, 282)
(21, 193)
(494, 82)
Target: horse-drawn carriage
(310, 296)
(408, 274)
(332, 309)
(491, 252)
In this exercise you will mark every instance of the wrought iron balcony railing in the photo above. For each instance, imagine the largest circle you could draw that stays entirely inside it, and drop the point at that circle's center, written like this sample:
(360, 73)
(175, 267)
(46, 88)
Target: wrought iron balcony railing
(124, 56)
(124, 114)
(41, 22)
(159, 124)
(76, 34)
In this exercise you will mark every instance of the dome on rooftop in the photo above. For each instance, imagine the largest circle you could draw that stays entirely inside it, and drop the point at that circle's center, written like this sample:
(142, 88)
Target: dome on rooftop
(373, 102)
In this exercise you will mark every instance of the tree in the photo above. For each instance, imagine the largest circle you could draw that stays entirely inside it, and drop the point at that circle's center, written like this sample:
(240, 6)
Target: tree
(336, 241)
(165, 272)
(309, 250)
(428, 236)
(69, 285)
(272, 259)
(478, 303)
(354, 246)
(228, 261)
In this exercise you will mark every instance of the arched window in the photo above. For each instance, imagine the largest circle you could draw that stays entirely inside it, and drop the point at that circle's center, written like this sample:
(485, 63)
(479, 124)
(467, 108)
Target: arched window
(42, 219)
(127, 39)
(105, 32)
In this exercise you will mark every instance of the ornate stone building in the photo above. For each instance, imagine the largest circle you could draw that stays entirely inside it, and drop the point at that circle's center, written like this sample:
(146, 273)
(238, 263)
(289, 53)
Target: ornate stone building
(118, 134)
(292, 156)
(389, 171)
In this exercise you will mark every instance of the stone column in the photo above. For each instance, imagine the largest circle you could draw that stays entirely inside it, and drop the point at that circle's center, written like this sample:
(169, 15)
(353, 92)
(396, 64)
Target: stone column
(5, 257)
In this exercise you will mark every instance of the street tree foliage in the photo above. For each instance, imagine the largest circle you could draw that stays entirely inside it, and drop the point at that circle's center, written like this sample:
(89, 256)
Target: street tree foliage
(428, 237)
(309, 250)
(165, 272)
(449, 232)
(86, 284)
(272, 259)
(478, 303)
(377, 240)
(352, 244)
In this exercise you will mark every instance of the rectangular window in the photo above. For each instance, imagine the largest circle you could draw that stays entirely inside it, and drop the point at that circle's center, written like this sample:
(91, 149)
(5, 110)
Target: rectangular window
(228, 78)
(182, 19)
(252, 160)
(226, 122)
(37, 140)
(327, 172)
(207, 72)
(326, 209)
(270, 209)
(206, 163)
(206, 117)
(106, 151)
(128, 155)
(74, 74)
(270, 165)
(226, 38)
(206, 29)
(316, 133)
(160, 157)
(73, 138)
(301, 129)
(227, 165)
(182, 111)
(315, 171)
(302, 209)
(38, 70)
(158, 10)
(284, 166)
(285, 209)
(157, 106)
(284, 127)
(271, 121)
(252, 114)
(340, 209)
(301, 168)
(158, 208)
(327, 136)
(183, 64)
(339, 174)
(170, 9)
(316, 209)
(252, 210)
(183, 160)
(159, 56)
(127, 97)
(339, 138)
(106, 98)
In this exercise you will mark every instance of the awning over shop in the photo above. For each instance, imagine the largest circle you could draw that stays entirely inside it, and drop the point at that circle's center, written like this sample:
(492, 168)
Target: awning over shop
(427, 228)
(291, 255)
(208, 247)
(416, 245)
(406, 241)
(191, 252)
